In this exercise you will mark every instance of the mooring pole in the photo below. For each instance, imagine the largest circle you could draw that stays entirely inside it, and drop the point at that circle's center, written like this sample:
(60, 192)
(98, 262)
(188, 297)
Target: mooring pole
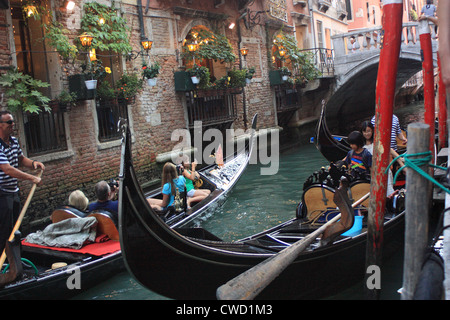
(428, 77)
(385, 92)
(417, 210)
(444, 53)
(442, 115)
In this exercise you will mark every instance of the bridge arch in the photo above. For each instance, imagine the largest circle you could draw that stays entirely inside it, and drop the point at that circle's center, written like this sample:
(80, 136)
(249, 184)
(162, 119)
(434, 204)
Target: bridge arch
(356, 75)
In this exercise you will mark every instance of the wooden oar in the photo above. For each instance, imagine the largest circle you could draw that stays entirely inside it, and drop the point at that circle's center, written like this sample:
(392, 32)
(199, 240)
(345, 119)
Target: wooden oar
(19, 220)
(249, 284)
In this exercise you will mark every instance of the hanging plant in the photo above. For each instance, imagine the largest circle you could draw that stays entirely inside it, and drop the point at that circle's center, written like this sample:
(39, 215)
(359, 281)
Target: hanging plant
(202, 74)
(150, 72)
(250, 72)
(22, 92)
(109, 29)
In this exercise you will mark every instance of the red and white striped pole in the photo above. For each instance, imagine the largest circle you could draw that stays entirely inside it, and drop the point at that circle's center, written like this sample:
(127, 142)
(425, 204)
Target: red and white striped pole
(385, 92)
(428, 77)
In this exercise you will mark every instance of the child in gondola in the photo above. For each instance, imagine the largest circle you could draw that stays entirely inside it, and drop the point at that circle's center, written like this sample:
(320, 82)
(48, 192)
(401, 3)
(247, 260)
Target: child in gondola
(188, 171)
(359, 159)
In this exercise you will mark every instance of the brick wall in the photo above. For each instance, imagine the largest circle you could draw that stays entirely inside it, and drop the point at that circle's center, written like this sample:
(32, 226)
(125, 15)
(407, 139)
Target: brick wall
(157, 110)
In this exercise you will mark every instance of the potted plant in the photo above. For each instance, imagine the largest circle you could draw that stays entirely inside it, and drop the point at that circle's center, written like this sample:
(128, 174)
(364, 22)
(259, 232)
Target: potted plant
(23, 92)
(249, 74)
(94, 71)
(150, 73)
(128, 85)
(285, 73)
(237, 78)
(66, 100)
(199, 75)
(105, 91)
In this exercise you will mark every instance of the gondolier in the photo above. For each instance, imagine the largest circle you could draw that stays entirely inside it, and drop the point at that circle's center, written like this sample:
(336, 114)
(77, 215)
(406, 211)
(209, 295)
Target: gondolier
(11, 158)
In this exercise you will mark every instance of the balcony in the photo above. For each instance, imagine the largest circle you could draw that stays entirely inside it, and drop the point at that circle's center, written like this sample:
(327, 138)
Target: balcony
(212, 107)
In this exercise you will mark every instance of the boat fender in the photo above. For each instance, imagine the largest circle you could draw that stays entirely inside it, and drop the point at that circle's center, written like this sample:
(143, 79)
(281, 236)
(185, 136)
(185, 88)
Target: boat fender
(431, 279)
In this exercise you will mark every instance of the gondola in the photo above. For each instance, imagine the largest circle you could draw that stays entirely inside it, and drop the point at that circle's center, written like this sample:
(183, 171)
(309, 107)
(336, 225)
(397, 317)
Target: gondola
(332, 147)
(42, 272)
(335, 147)
(99, 261)
(191, 263)
(218, 179)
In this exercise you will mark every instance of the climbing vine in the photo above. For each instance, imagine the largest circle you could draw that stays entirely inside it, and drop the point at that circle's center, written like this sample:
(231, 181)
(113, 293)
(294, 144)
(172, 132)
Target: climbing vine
(109, 28)
(301, 62)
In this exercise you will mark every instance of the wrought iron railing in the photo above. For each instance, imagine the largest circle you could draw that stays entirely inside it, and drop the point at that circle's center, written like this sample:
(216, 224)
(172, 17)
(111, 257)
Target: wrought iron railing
(287, 98)
(211, 106)
(45, 132)
(323, 59)
(108, 114)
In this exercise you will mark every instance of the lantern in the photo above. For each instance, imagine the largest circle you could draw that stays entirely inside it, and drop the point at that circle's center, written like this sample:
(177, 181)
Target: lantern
(86, 39)
(244, 51)
(146, 44)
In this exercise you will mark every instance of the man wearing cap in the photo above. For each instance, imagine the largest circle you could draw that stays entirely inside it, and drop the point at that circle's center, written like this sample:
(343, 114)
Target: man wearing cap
(11, 158)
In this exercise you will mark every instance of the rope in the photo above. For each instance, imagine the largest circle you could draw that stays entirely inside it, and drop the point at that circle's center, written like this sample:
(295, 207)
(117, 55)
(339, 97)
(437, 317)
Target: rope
(31, 265)
(416, 163)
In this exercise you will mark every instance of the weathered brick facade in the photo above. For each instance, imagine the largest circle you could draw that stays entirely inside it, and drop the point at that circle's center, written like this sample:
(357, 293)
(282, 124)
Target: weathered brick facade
(158, 110)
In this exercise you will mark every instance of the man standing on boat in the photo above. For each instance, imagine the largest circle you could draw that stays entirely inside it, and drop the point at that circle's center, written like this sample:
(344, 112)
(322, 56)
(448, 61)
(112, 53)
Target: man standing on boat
(11, 157)
(396, 132)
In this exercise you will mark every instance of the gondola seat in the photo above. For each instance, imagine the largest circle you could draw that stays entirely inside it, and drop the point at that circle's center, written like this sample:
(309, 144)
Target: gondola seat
(105, 223)
(66, 212)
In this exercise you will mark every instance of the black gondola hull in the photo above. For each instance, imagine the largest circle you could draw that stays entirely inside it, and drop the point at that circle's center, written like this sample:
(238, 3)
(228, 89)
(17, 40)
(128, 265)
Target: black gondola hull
(180, 267)
(171, 265)
(60, 284)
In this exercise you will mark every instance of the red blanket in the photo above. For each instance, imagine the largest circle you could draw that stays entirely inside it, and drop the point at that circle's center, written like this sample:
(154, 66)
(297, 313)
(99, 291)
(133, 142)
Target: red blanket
(98, 248)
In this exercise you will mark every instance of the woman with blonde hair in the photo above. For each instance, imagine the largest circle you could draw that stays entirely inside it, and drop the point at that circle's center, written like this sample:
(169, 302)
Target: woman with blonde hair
(170, 183)
(78, 200)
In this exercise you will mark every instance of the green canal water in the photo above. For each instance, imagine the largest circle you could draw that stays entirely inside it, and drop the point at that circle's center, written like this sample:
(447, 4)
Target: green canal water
(259, 202)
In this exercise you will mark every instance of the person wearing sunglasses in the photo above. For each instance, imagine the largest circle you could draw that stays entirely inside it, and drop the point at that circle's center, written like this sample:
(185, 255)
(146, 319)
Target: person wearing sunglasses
(11, 158)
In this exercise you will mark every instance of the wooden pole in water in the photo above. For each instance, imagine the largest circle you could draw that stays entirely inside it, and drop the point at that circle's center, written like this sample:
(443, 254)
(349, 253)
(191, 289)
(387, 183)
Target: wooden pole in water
(428, 77)
(417, 209)
(442, 115)
(385, 93)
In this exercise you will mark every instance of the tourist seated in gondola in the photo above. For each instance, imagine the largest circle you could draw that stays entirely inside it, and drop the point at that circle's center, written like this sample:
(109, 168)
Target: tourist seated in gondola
(78, 200)
(171, 183)
(188, 171)
(359, 159)
(105, 195)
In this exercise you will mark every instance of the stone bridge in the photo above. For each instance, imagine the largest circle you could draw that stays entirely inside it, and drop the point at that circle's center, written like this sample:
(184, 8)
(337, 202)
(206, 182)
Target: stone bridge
(356, 70)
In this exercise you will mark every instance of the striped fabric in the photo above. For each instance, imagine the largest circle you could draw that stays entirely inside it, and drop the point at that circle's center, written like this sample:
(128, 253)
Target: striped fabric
(396, 130)
(9, 155)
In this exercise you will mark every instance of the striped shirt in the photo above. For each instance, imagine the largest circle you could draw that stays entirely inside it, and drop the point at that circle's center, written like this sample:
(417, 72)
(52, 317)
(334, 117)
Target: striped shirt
(396, 130)
(9, 154)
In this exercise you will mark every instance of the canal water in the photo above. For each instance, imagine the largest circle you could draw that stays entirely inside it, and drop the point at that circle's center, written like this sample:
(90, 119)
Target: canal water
(259, 202)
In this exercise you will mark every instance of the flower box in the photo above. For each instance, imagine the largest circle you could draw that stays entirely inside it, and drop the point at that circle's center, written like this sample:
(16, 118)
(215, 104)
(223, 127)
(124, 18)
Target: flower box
(275, 77)
(183, 81)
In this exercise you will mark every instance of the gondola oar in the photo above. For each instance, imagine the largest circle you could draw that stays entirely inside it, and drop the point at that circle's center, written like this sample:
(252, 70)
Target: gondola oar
(19, 220)
(249, 284)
